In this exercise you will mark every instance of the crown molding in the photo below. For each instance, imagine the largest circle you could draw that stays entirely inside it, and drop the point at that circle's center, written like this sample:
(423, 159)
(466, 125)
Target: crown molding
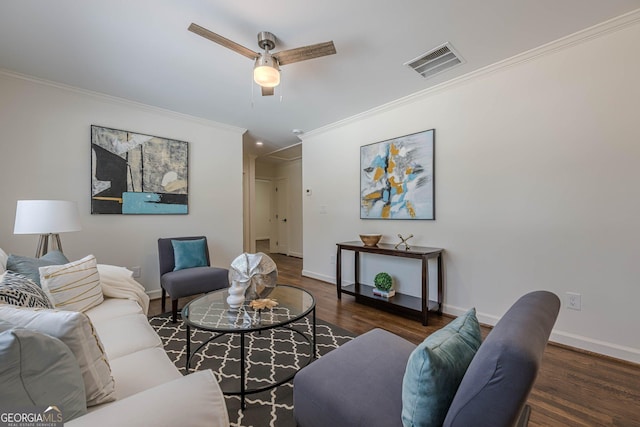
(121, 101)
(599, 30)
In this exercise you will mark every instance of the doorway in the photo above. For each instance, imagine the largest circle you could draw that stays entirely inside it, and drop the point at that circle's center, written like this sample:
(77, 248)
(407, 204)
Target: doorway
(281, 170)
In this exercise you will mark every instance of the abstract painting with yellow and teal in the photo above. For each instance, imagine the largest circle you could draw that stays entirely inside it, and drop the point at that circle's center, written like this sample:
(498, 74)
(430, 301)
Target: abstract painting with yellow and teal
(396, 178)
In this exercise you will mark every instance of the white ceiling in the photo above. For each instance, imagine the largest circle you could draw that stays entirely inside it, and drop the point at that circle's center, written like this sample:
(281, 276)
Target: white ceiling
(141, 50)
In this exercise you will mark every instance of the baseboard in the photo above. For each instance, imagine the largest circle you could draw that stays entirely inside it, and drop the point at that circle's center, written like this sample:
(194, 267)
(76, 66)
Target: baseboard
(483, 318)
(322, 277)
(155, 294)
(295, 254)
(616, 351)
(573, 341)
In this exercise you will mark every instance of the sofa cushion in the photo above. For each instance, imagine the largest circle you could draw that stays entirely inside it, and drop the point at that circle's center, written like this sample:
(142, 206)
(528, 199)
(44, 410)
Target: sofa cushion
(141, 370)
(435, 369)
(112, 308)
(39, 370)
(189, 254)
(77, 332)
(29, 266)
(17, 289)
(73, 286)
(135, 327)
(192, 400)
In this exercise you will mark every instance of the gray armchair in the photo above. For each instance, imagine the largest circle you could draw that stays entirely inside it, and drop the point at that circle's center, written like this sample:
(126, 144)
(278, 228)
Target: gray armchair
(188, 281)
(360, 383)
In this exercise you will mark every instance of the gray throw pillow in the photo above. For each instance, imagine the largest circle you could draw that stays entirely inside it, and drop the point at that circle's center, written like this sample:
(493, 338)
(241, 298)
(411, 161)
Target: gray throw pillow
(29, 266)
(39, 370)
(16, 289)
(76, 331)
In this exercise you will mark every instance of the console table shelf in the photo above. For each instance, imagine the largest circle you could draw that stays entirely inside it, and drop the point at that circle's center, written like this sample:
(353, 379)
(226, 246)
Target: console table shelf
(414, 307)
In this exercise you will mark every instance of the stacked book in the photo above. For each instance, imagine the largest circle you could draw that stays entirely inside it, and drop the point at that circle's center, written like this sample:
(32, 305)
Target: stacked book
(384, 294)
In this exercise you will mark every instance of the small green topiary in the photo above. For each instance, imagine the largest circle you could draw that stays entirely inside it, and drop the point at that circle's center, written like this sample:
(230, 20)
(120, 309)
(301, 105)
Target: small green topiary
(383, 281)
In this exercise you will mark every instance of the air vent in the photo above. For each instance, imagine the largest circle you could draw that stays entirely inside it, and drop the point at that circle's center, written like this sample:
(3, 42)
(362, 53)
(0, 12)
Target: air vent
(436, 61)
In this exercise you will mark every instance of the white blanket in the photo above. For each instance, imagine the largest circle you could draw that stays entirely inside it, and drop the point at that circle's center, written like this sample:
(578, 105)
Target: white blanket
(118, 282)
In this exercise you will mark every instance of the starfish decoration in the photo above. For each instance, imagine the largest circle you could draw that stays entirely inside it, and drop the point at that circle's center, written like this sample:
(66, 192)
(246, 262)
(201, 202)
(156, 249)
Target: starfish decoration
(260, 304)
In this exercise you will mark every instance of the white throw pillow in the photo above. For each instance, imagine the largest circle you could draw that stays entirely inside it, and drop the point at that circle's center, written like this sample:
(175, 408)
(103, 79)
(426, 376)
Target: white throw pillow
(77, 332)
(74, 286)
(3, 261)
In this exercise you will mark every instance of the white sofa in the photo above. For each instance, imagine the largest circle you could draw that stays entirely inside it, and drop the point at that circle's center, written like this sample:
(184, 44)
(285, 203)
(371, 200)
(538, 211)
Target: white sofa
(149, 389)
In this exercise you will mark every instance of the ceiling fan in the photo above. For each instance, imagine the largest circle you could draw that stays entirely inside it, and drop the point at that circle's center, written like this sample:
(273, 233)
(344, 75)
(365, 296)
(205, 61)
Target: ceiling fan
(266, 71)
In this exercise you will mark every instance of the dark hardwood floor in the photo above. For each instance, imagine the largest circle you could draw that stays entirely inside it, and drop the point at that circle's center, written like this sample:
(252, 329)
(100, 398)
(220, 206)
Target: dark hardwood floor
(573, 388)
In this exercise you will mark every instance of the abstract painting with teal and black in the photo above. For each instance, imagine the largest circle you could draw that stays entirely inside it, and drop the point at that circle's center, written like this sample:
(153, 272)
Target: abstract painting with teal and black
(397, 178)
(133, 173)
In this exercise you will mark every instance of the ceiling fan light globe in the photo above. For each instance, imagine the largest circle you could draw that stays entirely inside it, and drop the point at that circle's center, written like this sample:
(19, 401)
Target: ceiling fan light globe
(266, 76)
(265, 71)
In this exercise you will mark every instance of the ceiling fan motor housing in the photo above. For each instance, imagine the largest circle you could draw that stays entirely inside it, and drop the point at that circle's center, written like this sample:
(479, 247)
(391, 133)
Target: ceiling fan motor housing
(266, 40)
(266, 60)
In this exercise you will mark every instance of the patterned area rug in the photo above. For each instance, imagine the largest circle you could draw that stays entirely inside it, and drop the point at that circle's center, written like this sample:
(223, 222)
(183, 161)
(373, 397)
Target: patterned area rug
(272, 355)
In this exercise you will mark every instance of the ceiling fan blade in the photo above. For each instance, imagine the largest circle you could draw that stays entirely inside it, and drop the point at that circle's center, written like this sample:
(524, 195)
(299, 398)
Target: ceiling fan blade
(306, 52)
(267, 91)
(223, 41)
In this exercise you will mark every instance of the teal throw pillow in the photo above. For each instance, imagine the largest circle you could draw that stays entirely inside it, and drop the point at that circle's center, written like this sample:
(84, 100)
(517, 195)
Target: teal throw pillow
(39, 370)
(435, 369)
(189, 254)
(28, 267)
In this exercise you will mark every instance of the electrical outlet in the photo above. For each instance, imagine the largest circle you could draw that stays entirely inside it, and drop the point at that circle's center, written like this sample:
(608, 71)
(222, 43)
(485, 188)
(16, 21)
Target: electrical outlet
(136, 271)
(574, 301)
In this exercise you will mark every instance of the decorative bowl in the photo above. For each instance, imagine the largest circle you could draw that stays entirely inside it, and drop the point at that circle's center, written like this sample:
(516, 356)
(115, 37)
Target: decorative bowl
(370, 239)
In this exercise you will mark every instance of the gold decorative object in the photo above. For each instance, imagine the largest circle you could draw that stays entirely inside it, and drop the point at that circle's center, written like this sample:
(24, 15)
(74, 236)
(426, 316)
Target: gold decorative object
(370, 239)
(403, 241)
(261, 304)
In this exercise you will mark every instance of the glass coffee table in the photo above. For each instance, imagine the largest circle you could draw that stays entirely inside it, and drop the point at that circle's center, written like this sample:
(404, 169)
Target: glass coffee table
(211, 313)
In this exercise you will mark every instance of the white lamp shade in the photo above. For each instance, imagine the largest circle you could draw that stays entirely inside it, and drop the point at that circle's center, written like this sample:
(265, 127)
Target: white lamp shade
(46, 216)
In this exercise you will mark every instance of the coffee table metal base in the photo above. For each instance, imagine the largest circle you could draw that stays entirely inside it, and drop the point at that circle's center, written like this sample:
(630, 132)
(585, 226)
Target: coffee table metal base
(311, 340)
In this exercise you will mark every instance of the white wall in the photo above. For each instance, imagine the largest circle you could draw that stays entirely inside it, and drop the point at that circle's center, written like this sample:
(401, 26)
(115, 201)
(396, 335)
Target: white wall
(45, 140)
(537, 177)
(265, 170)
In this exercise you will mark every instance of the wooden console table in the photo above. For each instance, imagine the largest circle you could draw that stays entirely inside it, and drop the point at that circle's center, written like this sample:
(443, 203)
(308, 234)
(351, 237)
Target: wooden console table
(407, 305)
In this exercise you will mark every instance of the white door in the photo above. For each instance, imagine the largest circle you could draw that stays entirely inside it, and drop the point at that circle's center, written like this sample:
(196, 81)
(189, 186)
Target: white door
(281, 191)
(263, 209)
